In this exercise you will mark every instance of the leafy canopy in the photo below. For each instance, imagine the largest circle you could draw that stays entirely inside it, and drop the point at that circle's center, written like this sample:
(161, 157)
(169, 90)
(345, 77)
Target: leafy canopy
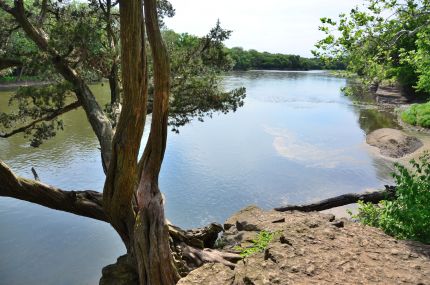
(384, 40)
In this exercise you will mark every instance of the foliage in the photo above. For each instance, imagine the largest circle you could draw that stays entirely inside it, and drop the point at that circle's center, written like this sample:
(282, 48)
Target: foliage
(259, 243)
(347, 91)
(87, 37)
(252, 59)
(32, 103)
(384, 40)
(196, 67)
(417, 115)
(408, 216)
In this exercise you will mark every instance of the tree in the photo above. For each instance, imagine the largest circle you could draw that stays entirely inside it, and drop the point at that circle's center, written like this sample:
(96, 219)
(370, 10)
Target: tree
(92, 49)
(131, 201)
(382, 41)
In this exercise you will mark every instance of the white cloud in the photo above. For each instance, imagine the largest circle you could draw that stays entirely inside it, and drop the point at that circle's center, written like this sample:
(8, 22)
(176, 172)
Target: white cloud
(289, 146)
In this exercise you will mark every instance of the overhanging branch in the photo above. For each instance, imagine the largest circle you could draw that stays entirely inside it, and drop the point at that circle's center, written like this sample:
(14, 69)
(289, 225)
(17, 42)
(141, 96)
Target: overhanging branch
(9, 62)
(83, 203)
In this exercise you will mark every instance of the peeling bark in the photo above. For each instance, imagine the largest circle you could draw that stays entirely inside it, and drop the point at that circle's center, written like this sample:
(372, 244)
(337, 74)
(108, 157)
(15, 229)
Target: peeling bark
(151, 235)
(122, 177)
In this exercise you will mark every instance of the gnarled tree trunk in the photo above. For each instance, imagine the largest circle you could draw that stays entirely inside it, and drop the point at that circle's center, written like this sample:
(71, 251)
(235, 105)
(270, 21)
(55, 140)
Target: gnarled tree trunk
(141, 223)
(151, 236)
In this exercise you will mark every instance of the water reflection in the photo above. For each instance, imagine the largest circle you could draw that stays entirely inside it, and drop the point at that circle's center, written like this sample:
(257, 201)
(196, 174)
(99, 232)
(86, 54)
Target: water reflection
(311, 155)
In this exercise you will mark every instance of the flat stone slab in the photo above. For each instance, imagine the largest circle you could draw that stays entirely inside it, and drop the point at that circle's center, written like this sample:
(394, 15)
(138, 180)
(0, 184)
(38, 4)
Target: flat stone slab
(390, 95)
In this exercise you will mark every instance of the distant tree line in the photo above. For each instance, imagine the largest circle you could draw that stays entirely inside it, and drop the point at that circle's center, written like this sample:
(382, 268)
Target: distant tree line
(252, 59)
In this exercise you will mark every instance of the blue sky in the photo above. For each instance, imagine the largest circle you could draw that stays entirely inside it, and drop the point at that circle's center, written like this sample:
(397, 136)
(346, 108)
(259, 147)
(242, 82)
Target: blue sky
(284, 26)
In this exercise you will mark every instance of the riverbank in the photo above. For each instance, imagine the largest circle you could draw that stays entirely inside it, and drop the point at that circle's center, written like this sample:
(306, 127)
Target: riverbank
(7, 86)
(404, 142)
(314, 248)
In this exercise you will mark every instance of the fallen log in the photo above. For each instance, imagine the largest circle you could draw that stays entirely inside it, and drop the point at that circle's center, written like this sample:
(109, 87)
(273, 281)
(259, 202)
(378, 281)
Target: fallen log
(373, 197)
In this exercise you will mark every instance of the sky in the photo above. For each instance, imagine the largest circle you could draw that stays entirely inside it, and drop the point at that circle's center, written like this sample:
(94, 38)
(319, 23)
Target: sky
(276, 26)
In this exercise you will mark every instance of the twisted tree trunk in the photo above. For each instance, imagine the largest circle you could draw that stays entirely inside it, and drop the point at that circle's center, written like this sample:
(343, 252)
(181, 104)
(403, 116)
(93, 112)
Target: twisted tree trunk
(151, 235)
(131, 202)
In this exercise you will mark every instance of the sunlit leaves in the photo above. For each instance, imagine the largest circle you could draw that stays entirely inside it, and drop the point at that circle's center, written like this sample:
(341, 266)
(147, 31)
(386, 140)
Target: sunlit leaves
(408, 216)
(381, 41)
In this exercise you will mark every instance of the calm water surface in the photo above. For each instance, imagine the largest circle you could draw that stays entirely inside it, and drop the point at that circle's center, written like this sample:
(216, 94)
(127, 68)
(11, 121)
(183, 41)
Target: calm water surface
(297, 139)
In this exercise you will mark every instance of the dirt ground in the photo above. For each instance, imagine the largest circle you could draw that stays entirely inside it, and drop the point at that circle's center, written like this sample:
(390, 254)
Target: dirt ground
(315, 248)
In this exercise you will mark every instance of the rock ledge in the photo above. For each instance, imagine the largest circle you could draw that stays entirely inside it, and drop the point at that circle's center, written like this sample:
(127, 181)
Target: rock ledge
(315, 248)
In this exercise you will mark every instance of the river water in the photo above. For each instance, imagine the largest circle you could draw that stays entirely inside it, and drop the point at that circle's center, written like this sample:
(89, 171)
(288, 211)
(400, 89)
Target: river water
(297, 139)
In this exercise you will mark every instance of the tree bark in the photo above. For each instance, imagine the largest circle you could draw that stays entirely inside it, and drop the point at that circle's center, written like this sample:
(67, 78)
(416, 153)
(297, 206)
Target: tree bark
(374, 197)
(9, 62)
(122, 177)
(83, 203)
(151, 234)
(114, 84)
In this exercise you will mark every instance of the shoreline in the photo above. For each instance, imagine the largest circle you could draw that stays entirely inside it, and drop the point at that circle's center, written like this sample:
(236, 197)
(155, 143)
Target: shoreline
(25, 83)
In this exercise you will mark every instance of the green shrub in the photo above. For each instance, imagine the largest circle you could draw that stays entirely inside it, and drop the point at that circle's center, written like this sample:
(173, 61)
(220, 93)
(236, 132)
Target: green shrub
(259, 243)
(408, 216)
(417, 115)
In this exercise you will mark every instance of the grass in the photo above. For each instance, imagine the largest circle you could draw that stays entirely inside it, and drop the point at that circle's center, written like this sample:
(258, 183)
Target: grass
(417, 115)
(259, 243)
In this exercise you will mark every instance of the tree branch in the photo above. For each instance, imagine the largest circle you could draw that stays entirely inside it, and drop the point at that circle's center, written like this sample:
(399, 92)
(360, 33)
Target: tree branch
(9, 62)
(374, 197)
(83, 203)
(48, 117)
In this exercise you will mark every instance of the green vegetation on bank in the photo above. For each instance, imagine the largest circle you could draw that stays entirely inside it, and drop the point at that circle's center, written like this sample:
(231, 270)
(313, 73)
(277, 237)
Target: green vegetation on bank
(12, 79)
(259, 243)
(252, 59)
(408, 216)
(417, 115)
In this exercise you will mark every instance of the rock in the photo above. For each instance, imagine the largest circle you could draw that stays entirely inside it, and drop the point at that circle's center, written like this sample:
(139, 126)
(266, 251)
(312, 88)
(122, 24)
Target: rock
(318, 253)
(210, 274)
(208, 235)
(246, 219)
(337, 224)
(393, 143)
(310, 270)
(390, 95)
(119, 273)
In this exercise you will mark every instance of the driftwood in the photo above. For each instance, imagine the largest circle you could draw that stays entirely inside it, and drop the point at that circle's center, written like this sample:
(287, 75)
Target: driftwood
(373, 197)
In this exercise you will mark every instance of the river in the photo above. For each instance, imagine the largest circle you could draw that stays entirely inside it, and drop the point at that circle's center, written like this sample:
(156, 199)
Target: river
(297, 139)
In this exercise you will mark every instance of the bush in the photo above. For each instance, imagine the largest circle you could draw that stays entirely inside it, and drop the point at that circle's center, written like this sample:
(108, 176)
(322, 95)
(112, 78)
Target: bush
(417, 115)
(408, 216)
(259, 243)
